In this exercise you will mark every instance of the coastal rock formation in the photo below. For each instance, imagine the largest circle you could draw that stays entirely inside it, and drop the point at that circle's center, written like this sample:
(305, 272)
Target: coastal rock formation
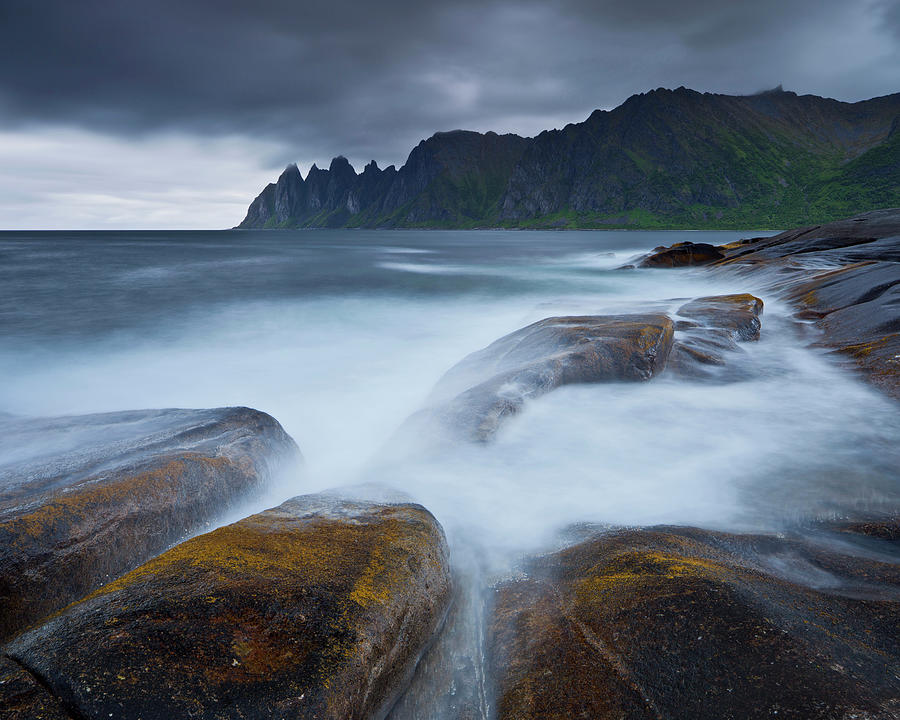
(714, 327)
(475, 396)
(85, 498)
(665, 158)
(686, 623)
(319, 608)
(869, 236)
(845, 276)
(682, 255)
(737, 315)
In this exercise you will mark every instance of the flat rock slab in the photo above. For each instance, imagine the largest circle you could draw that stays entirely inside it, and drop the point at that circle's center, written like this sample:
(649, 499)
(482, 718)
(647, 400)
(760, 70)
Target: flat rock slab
(319, 608)
(683, 623)
(474, 397)
(852, 284)
(853, 239)
(85, 498)
(857, 308)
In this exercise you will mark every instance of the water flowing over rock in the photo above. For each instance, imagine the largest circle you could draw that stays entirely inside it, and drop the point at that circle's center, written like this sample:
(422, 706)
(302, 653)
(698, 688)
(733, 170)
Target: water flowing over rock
(686, 623)
(845, 276)
(475, 396)
(714, 327)
(85, 498)
(450, 682)
(319, 608)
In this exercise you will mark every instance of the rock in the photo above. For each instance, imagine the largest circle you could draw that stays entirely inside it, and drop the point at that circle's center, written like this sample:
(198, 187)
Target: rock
(737, 314)
(682, 255)
(85, 498)
(684, 623)
(857, 308)
(319, 608)
(853, 284)
(886, 528)
(714, 327)
(24, 698)
(845, 276)
(851, 240)
(476, 395)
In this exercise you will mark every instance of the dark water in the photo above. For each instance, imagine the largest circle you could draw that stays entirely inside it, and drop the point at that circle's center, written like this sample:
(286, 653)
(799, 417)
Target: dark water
(341, 334)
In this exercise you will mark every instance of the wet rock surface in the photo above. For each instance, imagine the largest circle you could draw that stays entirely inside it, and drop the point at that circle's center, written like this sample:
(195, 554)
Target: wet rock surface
(868, 236)
(319, 608)
(86, 498)
(857, 309)
(475, 396)
(682, 255)
(449, 682)
(22, 697)
(845, 277)
(736, 314)
(714, 327)
(848, 283)
(686, 623)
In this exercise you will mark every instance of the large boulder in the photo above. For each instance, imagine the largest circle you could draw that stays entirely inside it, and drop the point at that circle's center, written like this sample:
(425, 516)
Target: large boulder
(683, 623)
(319, 608)
(736, 314)
(475, 396)
(85, 498)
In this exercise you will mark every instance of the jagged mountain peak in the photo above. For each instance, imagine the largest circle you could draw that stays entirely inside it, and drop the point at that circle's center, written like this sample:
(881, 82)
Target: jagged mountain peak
(339, 164)
(663, 158)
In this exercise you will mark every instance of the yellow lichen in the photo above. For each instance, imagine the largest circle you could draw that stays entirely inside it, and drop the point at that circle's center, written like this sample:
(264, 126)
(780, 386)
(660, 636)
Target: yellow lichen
(861, 350)
(641, 567)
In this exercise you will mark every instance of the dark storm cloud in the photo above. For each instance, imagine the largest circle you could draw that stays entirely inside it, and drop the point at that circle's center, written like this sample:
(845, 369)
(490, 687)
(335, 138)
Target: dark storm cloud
(370, 78)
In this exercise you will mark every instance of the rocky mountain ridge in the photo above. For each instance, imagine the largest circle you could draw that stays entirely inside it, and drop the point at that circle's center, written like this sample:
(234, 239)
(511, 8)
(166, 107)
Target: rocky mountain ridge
(662, 159)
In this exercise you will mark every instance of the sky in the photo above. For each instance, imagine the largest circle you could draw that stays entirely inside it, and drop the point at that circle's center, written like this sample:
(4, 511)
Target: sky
(175, 113)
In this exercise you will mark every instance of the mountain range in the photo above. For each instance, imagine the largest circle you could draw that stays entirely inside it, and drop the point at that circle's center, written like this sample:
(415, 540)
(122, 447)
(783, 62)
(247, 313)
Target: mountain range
(662, 159)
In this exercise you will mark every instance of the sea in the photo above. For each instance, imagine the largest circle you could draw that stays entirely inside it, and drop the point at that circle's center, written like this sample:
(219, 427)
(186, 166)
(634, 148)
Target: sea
(341, 335)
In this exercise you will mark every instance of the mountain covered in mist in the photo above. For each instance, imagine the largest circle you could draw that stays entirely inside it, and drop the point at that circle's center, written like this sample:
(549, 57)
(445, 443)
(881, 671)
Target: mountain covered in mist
(666, 158)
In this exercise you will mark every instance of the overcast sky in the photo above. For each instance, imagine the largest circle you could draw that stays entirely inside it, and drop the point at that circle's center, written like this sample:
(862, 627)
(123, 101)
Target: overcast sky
(175, 113)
